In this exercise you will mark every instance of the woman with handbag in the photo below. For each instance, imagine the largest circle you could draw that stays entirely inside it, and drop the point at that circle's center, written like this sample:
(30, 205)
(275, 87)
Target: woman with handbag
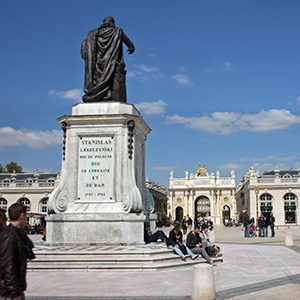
(175, 243)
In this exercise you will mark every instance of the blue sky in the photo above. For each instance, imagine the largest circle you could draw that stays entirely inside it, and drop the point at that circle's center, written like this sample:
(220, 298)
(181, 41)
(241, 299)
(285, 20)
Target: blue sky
(217, 81)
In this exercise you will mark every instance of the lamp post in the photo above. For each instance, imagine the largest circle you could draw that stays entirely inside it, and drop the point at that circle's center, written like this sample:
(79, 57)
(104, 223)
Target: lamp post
(256, 189)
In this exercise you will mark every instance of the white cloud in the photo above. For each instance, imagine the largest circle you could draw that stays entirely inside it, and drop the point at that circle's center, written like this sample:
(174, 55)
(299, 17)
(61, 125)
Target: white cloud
(228, 65)
(269, 167)
(143, 72)
(224, 123)
(298, 100)
(130, 74)
(42, 170)
(10, 137)
(181, 79)
(147, 69)
(152, 108)
(270, 158)
(162, 168)
(74, 94)
(230, 166)
(182, 69)
(208, 70)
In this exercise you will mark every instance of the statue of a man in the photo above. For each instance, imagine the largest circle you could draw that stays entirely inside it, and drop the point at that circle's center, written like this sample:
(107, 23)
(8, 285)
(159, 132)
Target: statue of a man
(104, 63)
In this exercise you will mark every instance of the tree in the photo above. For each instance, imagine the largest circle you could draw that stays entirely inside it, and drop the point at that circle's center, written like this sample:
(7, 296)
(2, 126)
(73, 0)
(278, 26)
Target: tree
(2, 170)
(13, 166)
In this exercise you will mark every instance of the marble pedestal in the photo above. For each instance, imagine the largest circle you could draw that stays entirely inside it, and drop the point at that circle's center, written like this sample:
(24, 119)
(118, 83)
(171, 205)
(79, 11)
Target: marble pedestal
(102, 196)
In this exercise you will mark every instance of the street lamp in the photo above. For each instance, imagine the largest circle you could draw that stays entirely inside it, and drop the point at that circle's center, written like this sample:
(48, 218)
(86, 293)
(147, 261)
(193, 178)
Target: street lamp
(256, 189)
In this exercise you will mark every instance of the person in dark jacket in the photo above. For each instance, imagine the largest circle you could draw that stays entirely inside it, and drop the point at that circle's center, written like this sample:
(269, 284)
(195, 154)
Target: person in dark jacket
(193, 242)
(13, 254)
(246, 224)
(261, 225)
(272, 224)
(174, 242)
(150, 237)
(3, 219)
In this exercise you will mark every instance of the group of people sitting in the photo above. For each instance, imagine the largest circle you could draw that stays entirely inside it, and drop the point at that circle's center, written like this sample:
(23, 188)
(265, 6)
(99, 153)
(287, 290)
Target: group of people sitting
(197, 242)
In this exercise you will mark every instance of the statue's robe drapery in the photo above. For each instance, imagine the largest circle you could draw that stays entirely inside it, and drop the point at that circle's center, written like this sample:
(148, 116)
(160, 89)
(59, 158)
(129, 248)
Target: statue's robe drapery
(103, 53)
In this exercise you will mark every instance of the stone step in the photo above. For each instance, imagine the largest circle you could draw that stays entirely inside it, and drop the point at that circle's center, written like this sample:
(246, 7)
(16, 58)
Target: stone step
(153, 256)
(112, 266)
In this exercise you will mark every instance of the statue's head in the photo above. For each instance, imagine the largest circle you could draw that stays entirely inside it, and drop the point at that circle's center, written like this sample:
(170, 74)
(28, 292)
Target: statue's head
(109, 21)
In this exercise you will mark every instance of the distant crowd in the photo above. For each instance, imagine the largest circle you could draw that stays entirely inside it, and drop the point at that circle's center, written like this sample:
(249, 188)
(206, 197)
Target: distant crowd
(265, 222)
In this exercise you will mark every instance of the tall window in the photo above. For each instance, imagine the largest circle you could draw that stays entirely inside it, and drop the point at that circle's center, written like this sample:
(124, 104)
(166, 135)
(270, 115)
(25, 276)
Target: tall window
(202, 207)
(266, 203)
(25, 202)
(290, 207)
(3, 204)
(43, 205)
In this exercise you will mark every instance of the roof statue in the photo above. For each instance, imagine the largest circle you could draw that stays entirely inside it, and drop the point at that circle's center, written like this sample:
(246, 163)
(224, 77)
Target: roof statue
(105, 73)
(201, 170)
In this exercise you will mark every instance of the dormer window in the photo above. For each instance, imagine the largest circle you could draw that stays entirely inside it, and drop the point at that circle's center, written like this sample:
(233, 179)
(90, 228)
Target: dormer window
(287, 176)
(29, 180)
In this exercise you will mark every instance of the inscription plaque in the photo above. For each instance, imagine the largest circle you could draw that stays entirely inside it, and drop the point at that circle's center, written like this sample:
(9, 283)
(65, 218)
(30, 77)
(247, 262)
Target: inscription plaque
(96, 169)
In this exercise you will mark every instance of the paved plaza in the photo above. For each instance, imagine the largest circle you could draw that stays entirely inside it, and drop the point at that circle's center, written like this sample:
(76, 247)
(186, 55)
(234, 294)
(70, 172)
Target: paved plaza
(252, 268)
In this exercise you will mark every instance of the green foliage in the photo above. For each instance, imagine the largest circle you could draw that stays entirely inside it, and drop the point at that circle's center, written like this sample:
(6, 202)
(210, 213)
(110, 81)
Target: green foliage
(11, 167)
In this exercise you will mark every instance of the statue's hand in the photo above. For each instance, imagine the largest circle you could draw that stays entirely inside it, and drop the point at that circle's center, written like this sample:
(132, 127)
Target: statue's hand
(131, 50)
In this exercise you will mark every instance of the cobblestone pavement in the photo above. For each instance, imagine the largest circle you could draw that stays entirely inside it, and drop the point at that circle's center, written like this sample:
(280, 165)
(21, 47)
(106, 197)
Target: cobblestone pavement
(253, 268)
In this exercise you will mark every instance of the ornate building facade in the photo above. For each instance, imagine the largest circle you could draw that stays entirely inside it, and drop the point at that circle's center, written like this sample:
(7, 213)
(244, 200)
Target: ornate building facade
(274, 192)
(160, 196)
(202, 194)
(33, 190)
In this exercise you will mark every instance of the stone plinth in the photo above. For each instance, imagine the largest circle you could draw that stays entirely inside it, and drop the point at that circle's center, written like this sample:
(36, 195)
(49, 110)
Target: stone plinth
(101, 197)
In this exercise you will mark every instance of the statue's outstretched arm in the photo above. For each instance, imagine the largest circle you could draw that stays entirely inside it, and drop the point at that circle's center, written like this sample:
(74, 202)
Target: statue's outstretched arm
(128, 43)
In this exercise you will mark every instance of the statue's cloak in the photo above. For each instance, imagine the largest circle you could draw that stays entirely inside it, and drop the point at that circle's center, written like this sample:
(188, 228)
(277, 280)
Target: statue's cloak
(102, 50)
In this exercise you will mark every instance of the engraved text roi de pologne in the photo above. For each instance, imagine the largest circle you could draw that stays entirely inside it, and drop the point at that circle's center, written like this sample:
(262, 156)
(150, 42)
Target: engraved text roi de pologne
(95, 178)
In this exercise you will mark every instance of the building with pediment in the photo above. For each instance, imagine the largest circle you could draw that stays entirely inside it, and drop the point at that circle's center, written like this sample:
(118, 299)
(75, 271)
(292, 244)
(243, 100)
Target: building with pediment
(274, 192)
(202, 194)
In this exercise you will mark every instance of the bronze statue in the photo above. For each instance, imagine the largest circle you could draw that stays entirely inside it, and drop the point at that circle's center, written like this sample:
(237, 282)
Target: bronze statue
(104, 63)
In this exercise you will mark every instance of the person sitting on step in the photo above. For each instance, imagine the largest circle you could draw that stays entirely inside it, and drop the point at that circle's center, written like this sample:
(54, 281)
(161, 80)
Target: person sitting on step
(174, 242)
(150, 237)
(193, 242)
(211, 249)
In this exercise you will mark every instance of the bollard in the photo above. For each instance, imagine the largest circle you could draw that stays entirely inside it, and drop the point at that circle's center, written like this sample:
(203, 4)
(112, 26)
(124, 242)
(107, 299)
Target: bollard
(289, 240)
(203, 287)
(212, 236)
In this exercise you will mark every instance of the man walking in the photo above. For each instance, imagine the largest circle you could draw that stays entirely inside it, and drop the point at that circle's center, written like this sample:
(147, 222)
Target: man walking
(13, 255)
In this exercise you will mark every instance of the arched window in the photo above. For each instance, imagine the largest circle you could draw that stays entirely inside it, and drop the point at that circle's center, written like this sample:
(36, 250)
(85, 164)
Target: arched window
(179, 213)
(25, 202)
(43, 205)
(3, 204)
(202, 207)
(266, 203)
(290, 207)
(29, 180)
